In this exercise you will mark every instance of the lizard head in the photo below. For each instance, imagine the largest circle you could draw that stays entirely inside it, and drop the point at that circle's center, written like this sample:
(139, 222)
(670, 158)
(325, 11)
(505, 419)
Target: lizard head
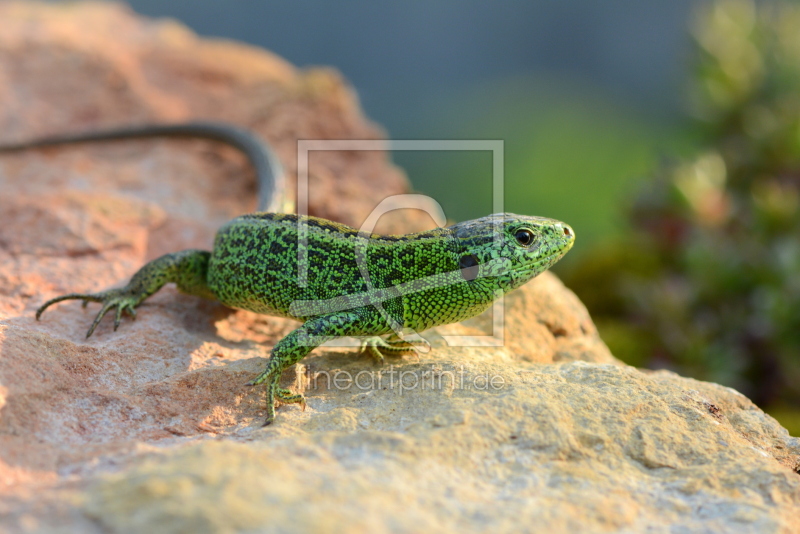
(503, 251)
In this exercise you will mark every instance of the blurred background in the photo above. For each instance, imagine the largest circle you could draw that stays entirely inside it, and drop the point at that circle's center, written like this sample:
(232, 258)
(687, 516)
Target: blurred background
(666, 133)
(585, 93)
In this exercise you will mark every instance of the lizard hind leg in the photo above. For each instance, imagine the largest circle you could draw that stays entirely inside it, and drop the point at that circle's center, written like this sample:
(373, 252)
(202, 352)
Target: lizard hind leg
(186, 268)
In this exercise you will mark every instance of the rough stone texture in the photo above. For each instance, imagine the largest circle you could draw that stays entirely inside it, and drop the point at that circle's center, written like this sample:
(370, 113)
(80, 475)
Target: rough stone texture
(152, 429)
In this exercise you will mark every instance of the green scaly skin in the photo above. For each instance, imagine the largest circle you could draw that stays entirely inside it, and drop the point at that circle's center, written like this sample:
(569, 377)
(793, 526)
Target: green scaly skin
(356, 284)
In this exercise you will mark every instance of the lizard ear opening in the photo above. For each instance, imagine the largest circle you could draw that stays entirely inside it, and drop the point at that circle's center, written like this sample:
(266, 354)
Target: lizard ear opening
(469, 267)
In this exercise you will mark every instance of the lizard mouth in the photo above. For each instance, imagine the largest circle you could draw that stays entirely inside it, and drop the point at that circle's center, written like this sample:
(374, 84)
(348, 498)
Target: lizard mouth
(542, 264)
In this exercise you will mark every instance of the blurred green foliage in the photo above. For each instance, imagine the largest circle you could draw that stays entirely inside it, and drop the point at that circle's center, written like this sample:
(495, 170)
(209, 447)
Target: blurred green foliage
(706, 280)
(570, 154)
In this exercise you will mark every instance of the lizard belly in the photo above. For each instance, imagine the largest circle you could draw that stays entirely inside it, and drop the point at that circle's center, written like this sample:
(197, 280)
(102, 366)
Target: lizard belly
(436, 307)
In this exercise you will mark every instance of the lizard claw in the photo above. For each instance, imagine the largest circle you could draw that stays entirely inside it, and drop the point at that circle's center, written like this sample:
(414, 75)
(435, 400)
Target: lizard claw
(371, 346)
(118, 316)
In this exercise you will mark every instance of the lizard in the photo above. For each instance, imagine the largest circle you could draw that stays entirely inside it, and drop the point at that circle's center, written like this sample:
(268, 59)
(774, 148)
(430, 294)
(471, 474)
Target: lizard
(356, 284)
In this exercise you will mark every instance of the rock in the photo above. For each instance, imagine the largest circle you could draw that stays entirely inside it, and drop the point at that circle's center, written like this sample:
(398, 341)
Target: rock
(151, 428)
(113, 68)
(571, 447)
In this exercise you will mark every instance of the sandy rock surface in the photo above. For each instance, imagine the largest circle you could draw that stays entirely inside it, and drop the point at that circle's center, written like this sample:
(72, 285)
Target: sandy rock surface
(151, 428)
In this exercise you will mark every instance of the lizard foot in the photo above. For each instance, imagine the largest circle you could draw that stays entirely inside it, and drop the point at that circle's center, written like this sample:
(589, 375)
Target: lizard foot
(379, 347)
(286, 396)
(124, 300)
(271, 376)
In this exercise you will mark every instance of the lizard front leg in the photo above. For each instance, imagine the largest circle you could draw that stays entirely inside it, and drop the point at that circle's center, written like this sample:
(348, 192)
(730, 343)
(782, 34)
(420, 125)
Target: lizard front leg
(186, 268)
(299, 342)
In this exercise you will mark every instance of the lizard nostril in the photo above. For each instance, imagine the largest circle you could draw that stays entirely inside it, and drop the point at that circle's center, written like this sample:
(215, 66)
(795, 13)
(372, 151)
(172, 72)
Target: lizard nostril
(567, 231)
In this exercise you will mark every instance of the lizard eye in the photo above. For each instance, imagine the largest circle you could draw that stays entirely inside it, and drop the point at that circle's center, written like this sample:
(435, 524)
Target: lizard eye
(524, 237)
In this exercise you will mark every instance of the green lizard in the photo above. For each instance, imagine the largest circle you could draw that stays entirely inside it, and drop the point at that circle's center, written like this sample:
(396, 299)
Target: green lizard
(356, 284)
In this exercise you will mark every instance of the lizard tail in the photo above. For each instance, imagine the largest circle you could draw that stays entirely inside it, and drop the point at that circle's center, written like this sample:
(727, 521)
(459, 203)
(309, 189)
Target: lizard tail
(272, 194)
